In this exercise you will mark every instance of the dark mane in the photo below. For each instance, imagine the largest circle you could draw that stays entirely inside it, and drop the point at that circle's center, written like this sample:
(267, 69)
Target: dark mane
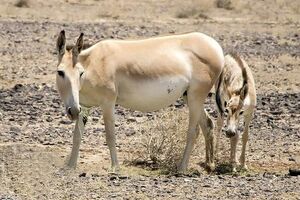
(85, 46)
(238, 59)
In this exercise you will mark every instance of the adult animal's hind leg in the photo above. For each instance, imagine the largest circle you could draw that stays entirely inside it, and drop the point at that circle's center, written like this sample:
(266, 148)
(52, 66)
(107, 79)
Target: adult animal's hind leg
(198, 116)
(192, 134)
(247, 120)
(79, 129)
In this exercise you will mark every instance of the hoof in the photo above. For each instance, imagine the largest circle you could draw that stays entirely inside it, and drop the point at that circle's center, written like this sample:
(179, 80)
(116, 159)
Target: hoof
(70, 165)
(114, 170)
(211, 166)
(234, 169)
(244, 167)
(181, 170)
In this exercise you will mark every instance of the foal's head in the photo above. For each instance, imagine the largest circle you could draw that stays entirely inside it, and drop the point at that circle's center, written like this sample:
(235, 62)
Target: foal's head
(69, 74)
(234, 108)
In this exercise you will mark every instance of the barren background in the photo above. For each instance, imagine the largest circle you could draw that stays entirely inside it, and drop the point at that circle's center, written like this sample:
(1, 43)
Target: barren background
(36, 136)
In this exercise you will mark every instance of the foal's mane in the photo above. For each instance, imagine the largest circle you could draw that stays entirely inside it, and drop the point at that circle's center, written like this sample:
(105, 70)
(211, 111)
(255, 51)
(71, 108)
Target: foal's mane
(238, 59)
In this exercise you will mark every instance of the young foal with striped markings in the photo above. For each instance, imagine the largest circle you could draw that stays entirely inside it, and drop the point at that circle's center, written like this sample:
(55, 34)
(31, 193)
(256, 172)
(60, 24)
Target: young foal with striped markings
(144, 75)
(235, 96)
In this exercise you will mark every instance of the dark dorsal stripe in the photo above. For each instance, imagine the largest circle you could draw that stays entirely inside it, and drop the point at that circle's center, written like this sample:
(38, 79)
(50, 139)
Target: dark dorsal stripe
(70, 48)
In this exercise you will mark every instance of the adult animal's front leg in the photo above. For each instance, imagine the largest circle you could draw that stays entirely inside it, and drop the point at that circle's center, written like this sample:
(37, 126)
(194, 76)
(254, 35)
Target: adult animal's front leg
(79, 128)
(109, 122)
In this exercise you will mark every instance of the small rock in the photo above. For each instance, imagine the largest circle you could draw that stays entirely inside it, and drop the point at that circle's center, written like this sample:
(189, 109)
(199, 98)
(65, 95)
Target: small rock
(294, 172)
(131, 119)
(82, 174)
(18, 86)
(111, 178)
(130, 132)
(292, 159)
(15, 129)
(123, 177)
(49, 119)
(65, 122)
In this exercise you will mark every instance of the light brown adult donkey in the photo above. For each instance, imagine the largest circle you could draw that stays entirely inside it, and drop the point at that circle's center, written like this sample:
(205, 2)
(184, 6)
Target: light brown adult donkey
(144, 75)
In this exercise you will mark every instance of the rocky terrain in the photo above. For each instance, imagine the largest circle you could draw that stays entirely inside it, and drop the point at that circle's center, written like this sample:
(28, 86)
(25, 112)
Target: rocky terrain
(36, 135)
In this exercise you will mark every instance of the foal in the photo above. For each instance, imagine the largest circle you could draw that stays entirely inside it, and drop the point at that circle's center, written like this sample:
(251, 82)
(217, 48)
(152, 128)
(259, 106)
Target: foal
(235, 96)
(144, 75)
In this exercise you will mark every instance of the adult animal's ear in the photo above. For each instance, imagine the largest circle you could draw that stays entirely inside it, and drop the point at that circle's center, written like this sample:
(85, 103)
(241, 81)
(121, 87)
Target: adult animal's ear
(79, 44)
(244, 91)
(61, 43)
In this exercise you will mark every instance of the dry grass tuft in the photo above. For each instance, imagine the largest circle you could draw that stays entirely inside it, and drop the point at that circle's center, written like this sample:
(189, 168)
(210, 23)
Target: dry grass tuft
(194, 9)
(163, 142)
(22, 4)
(187, 13)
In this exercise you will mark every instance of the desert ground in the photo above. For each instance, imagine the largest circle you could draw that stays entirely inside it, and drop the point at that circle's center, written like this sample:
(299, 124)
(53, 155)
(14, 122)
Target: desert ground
(36, 135)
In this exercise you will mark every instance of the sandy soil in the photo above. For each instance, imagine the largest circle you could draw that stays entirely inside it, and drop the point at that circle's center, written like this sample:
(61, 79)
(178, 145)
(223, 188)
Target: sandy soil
(36, 136)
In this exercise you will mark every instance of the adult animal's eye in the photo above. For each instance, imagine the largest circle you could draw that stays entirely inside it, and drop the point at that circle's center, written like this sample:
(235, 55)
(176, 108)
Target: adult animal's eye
(61, 73)
(81, 73)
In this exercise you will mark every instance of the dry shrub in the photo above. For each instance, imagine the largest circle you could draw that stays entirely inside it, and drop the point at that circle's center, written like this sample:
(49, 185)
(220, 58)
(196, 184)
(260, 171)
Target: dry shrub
(226, 4)
(194, 8)
(163, 141)
(22, 4)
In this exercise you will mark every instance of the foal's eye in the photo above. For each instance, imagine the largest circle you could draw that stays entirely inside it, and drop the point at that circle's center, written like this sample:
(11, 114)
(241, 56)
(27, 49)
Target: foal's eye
(226, 112)
(241, 112)
(61, 73)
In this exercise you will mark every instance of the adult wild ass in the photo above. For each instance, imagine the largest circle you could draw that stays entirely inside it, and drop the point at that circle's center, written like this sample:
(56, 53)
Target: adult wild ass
(235, 96)
(144, 75)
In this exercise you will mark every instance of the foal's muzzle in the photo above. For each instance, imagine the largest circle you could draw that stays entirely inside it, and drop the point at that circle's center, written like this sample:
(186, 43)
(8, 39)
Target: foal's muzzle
(230, 133)
(73, 112)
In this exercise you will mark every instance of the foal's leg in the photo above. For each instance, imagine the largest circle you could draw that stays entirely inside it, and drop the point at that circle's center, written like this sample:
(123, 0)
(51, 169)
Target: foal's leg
(233, 144)
(207, 130)
(247, 120)
(109, 122)
(220, 122)
(79, 128)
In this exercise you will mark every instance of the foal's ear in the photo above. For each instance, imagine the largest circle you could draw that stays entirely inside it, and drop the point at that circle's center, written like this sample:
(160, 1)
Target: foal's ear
(61, 42)
(79, 44)
(244, 91)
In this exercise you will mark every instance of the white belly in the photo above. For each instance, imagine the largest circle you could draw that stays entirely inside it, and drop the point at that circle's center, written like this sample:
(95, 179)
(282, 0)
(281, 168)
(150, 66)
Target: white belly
(150, 94)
